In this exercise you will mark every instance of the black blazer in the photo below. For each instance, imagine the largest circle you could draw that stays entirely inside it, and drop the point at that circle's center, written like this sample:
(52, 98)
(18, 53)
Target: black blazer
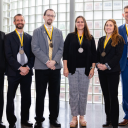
(69, 52)
(2, 55)
(12, 44)
(113, 54)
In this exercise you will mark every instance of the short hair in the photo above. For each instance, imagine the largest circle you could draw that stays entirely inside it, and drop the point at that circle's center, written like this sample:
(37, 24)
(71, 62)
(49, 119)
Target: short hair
(17, 15)
(49, 10)
(126, 7)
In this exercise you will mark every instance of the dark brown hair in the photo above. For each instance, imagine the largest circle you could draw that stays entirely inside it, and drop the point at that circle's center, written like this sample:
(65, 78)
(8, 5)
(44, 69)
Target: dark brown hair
(126, 7)
(116, 37)
(86, 30)
(49, 10)
(17, 15)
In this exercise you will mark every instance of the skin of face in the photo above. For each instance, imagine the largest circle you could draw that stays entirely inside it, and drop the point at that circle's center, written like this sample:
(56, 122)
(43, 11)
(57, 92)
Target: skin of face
(125, 15)
(48, 19)
(109, 27)
(19, 22)
(79, 24)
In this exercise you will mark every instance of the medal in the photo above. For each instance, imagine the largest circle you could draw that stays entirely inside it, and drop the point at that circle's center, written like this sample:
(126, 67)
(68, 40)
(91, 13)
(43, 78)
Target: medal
(80, 50)
(21, 51)
(103, 54)
(51, 45)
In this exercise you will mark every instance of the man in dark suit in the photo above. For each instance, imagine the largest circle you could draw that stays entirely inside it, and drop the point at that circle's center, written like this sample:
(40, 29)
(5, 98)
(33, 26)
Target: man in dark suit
(20, 61)
(47, 46)
(2, 70)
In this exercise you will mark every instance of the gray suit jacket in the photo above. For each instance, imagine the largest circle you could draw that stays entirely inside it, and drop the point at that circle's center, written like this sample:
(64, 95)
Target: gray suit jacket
(40, 47)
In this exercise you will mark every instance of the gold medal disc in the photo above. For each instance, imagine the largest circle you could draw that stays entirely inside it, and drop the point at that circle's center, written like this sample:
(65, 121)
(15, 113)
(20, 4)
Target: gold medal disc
(21, 51)
(51, 45)
(103, 54)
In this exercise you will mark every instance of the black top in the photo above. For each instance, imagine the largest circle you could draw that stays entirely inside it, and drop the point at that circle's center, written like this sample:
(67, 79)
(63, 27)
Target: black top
(2, 54)
(75, 59)
(113, 54)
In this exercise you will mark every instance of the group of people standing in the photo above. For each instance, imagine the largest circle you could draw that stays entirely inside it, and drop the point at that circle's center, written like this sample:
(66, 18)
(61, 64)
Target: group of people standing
(20, 52)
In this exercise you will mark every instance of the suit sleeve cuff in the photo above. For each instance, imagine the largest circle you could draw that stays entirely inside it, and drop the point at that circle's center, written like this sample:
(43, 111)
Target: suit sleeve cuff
(108, 67)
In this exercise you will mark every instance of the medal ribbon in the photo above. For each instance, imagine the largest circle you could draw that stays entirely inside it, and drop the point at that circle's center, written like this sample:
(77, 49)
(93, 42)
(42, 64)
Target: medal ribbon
(21, 41)
(106, 41)
(49, 35)
(126, 29)
(80, 40)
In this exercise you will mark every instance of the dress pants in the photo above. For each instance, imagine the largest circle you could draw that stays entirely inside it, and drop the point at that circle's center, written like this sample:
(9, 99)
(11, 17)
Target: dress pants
(25, 88)
(109, 84)
(78, 91)
(1, 95)
(52, 78)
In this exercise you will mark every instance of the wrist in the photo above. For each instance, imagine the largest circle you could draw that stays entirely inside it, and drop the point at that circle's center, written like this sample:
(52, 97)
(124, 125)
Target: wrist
(92, 67)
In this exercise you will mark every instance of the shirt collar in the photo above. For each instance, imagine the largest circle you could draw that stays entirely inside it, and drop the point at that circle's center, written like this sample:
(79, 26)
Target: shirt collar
(127, 25)
(20, 33)
(47, 26)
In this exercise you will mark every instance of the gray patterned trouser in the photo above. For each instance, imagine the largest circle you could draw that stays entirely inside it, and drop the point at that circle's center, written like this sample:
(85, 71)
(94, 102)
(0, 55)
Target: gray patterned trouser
(78, 91)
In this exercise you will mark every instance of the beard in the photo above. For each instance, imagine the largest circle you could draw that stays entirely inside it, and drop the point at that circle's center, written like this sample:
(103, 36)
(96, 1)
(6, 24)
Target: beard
(49, 22)
(19, 27)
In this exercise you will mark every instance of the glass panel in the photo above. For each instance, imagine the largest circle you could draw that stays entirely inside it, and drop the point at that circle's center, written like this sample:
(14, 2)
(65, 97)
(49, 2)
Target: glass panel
(26, 27)
(39, 18)
(31, 27)
(107, 5)
(55, 24)
(62, 96)
(61, 1)
(97, 15)
(45, 2)
(117, 4)
(79, 14)
(89, 15)
(97, 6)
(62, 8)
(96, 80)
(90, 89)
(88, 6)
(62, 25)
(39, 10)
(38, 25)
(117, 14)
(125, 3)
(78, 0)
(25, 3)
(54, 7)
(68, 7)
(90, 24)
(79, 6)
(62, 88)
(97, 24)
(53, 1)
(68, 26)
(25, 11)
(45, 8)
(31, 19)
(31, 3)
(67, 16)
(38, 2)
(107, 14)
(26, 19)
(97, 90)
(19, 11)
(19, 4)
(119, 22)
(64, 34)
(97, 98)
(14, 5)
(13, 13)
(31, 10)
(89, 99)
(61, 17)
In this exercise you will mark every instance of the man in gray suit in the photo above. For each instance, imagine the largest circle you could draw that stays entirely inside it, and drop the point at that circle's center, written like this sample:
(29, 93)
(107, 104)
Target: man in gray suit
(47, 46)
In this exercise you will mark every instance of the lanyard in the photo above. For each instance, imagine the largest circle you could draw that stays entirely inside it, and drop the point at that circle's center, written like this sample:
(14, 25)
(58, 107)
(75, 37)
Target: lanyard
(106, 41)
(21, 41)
(80, 40)
(49, 35)
(126, 29)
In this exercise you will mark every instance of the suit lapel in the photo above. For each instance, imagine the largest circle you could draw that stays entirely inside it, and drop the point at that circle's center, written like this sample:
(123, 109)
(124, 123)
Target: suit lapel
(15, 36)
(45, 36)
(108, 46)
(25, 40)
(124, 33)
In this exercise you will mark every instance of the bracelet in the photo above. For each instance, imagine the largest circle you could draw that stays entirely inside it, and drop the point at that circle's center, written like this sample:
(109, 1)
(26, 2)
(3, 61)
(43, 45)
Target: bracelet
(92, 67)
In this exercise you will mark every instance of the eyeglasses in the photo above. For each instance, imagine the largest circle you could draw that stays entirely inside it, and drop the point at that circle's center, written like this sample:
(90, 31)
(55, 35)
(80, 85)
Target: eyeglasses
(48, 15)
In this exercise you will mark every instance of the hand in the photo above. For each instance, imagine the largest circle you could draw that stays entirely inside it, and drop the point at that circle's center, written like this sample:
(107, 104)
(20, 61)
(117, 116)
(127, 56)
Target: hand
(22, 74)
(50, 64)
(24, 70)
(102, 67)
(91, 73)
(65, 72)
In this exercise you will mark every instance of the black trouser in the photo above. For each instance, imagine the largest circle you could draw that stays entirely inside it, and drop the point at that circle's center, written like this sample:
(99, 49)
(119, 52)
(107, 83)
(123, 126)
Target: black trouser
(52, 78)
(109, 84)
(25, 88)
(1, 95)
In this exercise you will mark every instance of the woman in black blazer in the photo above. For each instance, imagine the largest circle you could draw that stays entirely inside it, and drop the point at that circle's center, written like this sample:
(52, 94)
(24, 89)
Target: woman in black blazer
(79, 59)
(109, 52)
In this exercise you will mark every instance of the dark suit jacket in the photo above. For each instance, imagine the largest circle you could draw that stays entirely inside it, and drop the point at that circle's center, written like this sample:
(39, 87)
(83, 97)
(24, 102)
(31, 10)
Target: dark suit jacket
(113, 54)
(2, 55)
(12, 44)
(69, 53)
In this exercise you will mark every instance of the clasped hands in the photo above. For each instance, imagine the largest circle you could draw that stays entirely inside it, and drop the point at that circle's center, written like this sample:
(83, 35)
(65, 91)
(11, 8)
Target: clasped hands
(101, 67)
(24, 70)
(51, 64)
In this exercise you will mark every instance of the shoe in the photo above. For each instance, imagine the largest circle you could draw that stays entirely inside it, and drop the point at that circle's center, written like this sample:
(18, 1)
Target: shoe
(55, 123)
(27, 123)
(123, 123)
(82, 121)
(2, 125)
(115, 126)
(74, 122)
(38, 125)
(12, 126)
(108, 123)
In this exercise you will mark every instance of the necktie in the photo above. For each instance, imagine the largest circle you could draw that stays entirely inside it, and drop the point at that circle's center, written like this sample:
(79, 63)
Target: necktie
(22, 59)
(50, 49)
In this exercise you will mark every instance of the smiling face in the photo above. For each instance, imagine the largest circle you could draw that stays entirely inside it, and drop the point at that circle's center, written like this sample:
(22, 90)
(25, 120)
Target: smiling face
(19, 22)
(79, 24)
(125, 14)
(109, 27)
(49, 17)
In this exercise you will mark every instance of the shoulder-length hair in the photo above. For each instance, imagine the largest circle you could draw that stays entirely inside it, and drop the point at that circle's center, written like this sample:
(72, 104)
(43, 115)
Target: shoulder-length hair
(86, 30)
(116, 37)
